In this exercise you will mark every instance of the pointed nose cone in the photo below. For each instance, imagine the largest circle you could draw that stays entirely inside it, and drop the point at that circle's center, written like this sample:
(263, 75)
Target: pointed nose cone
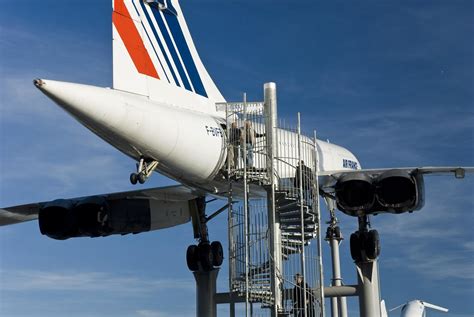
(92, 106)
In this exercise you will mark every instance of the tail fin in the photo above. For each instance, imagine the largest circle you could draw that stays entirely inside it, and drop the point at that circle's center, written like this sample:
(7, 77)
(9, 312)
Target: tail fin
(154, 55)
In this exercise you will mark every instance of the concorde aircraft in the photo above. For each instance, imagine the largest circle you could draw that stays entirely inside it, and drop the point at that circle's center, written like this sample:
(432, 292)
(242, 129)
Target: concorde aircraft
(159, 113)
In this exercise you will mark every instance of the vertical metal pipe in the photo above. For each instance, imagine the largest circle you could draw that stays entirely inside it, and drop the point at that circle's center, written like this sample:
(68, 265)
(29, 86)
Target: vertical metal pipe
(246, 214)
(369, 296)
(229, 213)
(270, 110)
(318, 209)
(301, 199)
(336, 270)
(368, 281)
(205, 291)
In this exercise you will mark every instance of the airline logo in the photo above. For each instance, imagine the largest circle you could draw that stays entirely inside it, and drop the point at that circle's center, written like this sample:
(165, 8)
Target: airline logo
(155, 24)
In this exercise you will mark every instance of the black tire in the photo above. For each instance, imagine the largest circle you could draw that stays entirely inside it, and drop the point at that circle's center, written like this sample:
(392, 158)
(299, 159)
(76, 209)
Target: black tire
(192, 258)
(337, 232)
(205, 256)
(141, 178)
(355, 247)
(372, 245)
(217, 253)
(133, 178)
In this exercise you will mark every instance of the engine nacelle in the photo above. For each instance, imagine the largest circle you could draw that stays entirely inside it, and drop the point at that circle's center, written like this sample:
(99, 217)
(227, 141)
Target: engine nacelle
(97, 217)
(355, 192)
(394, 191)
(398, 191)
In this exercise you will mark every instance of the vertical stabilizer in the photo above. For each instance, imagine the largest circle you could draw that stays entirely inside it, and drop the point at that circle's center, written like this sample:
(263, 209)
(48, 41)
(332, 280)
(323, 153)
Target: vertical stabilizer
(154, 55)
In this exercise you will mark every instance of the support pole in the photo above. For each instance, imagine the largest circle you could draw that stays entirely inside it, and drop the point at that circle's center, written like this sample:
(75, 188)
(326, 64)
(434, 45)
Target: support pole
(302, 232)
(368, 278)
(205, 292)
(340, 309)
(369, 295)
(246, 212)
(318, 209)
(334, 236)
(335, 268)
(270, 108)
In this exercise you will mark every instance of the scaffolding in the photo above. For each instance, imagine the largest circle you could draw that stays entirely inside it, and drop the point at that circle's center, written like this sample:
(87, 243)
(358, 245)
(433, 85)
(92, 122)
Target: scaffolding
(275, 264)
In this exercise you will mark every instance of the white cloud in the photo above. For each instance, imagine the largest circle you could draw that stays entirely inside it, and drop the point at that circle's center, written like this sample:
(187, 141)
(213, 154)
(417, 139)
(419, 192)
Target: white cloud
(31, 280)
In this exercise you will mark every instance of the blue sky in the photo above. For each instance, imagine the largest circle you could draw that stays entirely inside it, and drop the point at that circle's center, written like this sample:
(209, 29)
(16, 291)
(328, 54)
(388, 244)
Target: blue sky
(391, 80)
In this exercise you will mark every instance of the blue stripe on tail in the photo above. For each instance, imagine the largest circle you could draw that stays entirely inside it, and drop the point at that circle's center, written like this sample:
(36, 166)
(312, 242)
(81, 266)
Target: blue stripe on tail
(183, 49)
(159, 43)
(172, 50)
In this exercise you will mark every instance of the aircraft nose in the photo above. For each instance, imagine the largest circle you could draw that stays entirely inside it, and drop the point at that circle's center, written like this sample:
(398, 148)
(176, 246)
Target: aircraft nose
(38, 82)
(92, 106)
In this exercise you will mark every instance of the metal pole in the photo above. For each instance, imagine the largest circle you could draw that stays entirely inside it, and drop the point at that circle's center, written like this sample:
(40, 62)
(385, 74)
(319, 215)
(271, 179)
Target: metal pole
(205, 292)
(336, 272)
(270, 108)
(229, 201)
(320, 255)
(246, 214)
(300, 189)
(368, 281)
(231, 247)
(369, 296)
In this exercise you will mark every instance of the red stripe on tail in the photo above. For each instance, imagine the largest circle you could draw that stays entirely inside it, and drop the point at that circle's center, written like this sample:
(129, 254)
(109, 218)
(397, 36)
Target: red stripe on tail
(131, 38)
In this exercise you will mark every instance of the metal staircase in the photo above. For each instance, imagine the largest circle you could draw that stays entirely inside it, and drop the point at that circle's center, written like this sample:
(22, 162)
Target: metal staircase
(270, 238)
(290, 211)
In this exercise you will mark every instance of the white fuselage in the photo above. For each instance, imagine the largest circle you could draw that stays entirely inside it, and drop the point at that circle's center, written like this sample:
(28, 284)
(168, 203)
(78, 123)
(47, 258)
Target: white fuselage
(177, 137)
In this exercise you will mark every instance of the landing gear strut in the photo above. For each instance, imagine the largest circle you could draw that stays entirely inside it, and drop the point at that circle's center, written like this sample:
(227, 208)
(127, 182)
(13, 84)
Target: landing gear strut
(144, 170)
(206, 255)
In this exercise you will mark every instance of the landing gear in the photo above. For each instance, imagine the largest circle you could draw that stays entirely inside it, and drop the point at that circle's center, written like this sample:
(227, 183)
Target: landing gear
(144, 170)
(217, 253)
(192, 258)
(365, 244)
(205, 256)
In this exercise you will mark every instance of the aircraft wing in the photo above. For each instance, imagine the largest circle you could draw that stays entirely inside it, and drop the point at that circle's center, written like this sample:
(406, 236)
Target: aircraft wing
(373, 191)
(330, 177)
(160, 207)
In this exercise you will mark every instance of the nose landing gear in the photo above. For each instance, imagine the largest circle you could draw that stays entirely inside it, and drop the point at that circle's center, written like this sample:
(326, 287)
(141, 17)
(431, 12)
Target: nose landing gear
(144, 170)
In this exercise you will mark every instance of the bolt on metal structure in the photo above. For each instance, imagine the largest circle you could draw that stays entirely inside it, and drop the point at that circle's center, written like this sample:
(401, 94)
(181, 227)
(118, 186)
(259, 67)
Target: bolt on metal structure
(275, 264)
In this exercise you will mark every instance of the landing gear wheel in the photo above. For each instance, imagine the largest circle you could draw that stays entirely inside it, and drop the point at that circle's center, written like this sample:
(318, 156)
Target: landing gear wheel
(372, 245)
(205, 256)
(337, 232)
(217, 253)
(192, 258)
(133, 178)
(355, 247)
(141, 178)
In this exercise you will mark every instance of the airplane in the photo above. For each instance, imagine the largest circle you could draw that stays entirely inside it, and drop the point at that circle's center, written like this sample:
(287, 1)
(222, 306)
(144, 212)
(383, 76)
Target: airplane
(159, 112)
(417, 308)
